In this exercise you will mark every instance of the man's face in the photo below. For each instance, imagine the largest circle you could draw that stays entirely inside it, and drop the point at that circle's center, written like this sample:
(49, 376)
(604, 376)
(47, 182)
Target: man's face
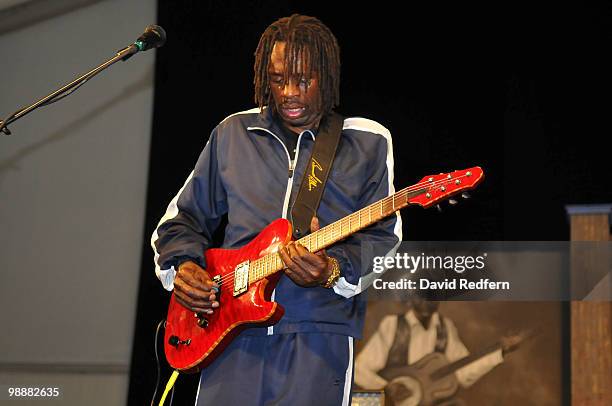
(424, 309)
(298, 102)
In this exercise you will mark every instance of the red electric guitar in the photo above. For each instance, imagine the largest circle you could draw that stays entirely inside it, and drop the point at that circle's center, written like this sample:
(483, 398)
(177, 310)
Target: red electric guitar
(247, 276)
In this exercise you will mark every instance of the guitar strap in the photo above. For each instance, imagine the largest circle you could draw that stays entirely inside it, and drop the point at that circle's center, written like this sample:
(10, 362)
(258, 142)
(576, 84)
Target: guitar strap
(441, 336)
(315, 177)
(398, 352)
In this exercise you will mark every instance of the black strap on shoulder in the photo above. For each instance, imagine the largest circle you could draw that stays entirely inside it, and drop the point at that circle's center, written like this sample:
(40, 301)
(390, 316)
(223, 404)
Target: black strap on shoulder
(441, 336)
(399, 350)
(315, 176)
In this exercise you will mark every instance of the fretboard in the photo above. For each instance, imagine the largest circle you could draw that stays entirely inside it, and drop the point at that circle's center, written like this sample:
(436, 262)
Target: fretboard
(338, 230)
(460, 363)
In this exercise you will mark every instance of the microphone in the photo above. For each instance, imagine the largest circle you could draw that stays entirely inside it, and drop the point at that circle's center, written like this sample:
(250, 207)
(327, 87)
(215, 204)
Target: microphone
(153, 37)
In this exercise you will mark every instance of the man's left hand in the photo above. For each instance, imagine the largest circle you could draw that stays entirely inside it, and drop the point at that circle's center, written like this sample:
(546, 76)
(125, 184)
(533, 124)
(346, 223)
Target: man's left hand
(303, 267)
(512, 341)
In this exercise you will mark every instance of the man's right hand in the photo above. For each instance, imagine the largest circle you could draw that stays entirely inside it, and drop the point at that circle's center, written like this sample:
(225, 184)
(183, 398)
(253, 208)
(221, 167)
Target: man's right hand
(194, 289)
(397, 392)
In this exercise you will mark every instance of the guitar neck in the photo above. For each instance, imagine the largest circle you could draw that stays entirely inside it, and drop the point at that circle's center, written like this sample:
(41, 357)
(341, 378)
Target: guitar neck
(460, 363)
(339, 230)
(430, 190)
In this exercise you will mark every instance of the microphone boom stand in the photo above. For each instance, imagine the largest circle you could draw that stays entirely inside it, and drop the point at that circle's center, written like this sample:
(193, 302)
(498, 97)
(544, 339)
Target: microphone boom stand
(123, 54)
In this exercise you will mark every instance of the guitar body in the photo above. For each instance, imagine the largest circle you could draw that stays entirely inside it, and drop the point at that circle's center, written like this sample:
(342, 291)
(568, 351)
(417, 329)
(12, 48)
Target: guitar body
(426, 390)
(252, 308)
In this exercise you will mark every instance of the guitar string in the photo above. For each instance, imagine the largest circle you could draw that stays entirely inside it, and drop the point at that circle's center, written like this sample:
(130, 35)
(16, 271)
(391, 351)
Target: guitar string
(229, 277)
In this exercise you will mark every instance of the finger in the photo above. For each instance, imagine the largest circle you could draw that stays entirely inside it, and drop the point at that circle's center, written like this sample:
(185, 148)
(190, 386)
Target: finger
(192, 302)
(193, 279)
(193, 293)
(291, 268)
(190, 306)
(195, 275)
(285, 257)
(204, 311)
(314, 224)
(296, 257)
(204, 278)
(309, 258)
(295, 277)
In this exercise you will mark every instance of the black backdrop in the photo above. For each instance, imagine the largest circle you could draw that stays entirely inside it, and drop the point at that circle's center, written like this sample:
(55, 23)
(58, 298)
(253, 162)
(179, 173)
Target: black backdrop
(523, 91)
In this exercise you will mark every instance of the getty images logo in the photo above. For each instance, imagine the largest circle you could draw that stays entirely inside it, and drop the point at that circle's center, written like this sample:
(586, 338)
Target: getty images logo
(413, 263)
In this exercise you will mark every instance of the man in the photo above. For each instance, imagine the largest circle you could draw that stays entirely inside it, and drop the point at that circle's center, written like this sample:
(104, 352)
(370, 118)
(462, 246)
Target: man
(250, 171)
(406, 338)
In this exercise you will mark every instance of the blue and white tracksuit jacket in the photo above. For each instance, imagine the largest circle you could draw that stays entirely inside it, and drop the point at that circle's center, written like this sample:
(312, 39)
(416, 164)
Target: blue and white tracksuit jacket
(246, 172)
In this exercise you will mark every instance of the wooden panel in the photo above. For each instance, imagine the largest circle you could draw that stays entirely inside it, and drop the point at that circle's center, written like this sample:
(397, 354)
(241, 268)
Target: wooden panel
(591, 322)
(591, 353)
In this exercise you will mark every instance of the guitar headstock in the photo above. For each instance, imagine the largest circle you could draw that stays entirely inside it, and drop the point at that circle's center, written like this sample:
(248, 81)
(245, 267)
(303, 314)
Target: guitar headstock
(445, 185)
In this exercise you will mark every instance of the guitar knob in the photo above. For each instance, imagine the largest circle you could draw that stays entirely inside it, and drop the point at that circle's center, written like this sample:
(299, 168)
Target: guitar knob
(202, 320)
(452, 202)
(174, 341)
(438, 207)
(465, 195)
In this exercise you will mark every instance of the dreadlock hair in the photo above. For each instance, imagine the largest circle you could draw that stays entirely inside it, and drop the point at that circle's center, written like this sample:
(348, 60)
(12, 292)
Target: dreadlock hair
(308, 38)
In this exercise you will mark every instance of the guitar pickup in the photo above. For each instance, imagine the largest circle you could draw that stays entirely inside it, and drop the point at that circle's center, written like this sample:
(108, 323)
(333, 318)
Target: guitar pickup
(241, 278)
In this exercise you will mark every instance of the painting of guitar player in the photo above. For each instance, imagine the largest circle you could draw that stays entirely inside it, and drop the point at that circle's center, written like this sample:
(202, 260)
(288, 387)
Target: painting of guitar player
(416, 353)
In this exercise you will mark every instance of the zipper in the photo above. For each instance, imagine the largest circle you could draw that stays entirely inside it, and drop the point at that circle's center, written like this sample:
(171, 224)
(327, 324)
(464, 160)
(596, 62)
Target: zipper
(292, 164)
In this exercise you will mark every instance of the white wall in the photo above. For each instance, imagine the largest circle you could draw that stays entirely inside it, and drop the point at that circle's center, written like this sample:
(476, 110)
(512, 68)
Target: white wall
(72, 200)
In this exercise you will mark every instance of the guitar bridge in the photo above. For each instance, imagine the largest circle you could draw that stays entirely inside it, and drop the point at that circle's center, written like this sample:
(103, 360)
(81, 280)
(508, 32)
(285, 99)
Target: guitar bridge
(241, 278)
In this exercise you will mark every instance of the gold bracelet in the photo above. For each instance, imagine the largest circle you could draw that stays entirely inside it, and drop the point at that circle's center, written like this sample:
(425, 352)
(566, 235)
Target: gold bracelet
(335, 274)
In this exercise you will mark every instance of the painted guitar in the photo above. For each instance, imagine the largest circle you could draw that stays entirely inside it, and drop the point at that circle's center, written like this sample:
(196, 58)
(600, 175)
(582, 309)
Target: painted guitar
(431, 380)
(247, 276)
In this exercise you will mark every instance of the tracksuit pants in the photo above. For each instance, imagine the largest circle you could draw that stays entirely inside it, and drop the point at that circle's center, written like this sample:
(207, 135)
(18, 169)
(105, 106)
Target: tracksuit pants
(298, 369)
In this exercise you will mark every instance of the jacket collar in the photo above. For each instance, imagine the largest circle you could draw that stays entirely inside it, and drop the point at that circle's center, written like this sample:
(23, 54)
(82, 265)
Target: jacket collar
(413, 321)
(267, 121)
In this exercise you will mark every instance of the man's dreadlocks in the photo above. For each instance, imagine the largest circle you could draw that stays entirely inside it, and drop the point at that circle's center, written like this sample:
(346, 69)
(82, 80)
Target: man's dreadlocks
(314, 43)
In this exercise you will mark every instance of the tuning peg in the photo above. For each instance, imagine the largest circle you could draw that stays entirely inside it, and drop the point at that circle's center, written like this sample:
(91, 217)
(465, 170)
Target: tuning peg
(452, 202)
(438, 207)
(465, 195)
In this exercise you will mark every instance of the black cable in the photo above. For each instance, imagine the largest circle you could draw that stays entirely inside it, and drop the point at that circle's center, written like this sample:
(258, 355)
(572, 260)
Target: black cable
(68, 93)
(159, 325)
(4, 127)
